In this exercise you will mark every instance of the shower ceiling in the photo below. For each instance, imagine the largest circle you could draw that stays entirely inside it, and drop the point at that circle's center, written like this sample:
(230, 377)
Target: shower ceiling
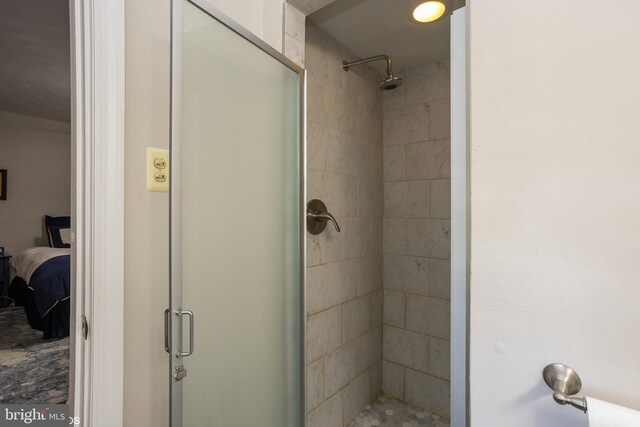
(369, 27)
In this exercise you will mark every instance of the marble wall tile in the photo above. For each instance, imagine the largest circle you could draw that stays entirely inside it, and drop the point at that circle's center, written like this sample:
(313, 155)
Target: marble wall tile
(345, 162)
(324, 333)
(429, 316)
(440, 119)
(375, 172)
(340, 280)
(341, 195)
(394, 236)
(357, 237)
(429, 160)
(316, 111)
(407, 199)
(394, 163)
(356, 318)
(324, 247)
(406, 125)
(356, 396)
(406, 348)
(440, 279)
(294, 49)
(341, 110)
(329, 414)
(357, 158)
(393, 308)
(358, 83)
(429, 82)
(429, 238)
(340, 367)
(369, 124)
(315, 384)
(441, 198)
(369, 277)
(323, 59)
(439, 353)
(427, 392)
(376, 378)
(316, 184)
(369, 199)
(406, 273)
(315, 290)
(416, 235)
(376, 308)
(369, 349)
(376, 234)
(294, 22)
(369, 111)
(310, 6)
(393, 379)
(325, 148)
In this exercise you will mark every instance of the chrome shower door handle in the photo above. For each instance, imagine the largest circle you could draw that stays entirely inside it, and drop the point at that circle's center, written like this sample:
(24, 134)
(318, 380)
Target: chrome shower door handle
(317, 217)
(167, 333)
(181, 313)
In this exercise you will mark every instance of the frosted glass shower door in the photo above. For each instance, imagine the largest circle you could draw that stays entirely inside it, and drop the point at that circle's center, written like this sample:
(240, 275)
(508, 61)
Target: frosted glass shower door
(236, 231)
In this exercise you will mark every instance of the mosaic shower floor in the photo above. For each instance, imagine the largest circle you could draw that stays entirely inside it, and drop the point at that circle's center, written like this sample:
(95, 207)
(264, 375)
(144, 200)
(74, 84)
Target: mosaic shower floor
(389, 412)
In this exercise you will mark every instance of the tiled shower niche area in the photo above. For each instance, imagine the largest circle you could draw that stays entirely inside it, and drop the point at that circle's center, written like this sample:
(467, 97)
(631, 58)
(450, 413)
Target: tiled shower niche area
(377, 292)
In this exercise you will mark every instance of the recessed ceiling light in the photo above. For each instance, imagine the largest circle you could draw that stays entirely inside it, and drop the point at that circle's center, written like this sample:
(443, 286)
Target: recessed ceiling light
(429, 11)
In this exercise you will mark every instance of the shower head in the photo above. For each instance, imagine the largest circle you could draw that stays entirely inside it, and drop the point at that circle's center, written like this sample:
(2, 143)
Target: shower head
(391, 81)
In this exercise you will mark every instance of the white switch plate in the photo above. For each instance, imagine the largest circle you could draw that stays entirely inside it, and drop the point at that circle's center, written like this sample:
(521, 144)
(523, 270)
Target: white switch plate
(157, 170)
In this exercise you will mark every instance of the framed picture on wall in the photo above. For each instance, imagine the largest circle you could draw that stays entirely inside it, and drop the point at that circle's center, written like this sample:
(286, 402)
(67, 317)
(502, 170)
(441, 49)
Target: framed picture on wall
(3, 184)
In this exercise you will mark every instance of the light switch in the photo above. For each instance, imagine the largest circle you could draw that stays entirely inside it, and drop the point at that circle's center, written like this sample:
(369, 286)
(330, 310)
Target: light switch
(157, 170)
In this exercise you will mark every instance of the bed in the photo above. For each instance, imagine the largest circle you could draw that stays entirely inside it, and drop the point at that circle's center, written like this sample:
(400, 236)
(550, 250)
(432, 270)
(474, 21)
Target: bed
(42, 284)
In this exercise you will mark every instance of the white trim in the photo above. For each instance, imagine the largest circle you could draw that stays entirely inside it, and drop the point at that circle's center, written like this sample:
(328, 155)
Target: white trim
(459, 219)
(97, 130)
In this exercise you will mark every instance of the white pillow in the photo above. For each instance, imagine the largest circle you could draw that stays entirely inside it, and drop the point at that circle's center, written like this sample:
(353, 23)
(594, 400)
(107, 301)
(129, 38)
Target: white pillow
(65, 235)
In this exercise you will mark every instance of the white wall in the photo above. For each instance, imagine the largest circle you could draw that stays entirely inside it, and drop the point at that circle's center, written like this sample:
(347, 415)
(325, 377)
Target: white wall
(37, 156)
(146, 402)
(555, 240)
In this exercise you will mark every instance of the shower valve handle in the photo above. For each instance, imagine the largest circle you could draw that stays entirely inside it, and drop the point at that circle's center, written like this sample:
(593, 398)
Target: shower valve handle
(325, 216)
(317, 217)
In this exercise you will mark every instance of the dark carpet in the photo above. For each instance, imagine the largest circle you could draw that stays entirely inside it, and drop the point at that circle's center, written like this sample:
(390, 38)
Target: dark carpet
(32, 370)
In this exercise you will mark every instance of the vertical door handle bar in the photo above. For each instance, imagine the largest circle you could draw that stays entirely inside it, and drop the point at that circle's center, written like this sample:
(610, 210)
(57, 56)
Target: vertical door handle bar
(181, 313)
(167, 330)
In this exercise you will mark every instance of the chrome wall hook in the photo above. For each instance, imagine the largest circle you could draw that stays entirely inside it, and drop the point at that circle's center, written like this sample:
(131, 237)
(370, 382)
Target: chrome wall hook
(565, 383)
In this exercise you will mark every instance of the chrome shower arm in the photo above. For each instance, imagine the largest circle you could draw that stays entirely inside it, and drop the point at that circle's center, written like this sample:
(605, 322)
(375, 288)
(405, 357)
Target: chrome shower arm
(346, 65)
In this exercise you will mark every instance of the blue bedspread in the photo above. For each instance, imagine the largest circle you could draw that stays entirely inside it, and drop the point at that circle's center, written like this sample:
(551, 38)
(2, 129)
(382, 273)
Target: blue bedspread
(51, 282)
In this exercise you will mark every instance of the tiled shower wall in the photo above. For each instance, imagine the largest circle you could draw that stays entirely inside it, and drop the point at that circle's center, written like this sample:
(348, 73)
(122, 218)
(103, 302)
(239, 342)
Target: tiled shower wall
(344, 284)
(416, 239)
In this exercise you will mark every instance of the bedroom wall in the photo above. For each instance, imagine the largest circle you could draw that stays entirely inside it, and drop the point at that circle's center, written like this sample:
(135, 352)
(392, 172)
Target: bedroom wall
(37, 156)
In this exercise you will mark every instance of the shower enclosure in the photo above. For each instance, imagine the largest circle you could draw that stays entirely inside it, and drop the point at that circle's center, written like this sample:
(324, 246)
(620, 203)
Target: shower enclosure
(236, 321)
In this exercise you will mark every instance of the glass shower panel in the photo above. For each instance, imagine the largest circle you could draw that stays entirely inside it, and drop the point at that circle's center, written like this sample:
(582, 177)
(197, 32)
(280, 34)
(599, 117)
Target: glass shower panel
(239, 183)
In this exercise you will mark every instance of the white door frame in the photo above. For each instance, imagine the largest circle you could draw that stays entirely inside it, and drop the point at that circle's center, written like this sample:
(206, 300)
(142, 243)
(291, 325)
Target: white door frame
(97, 197)
(460, 225)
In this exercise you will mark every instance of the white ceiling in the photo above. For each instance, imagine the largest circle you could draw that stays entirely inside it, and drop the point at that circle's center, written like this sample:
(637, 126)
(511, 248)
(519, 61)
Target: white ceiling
(374, 27)
(34, 58)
